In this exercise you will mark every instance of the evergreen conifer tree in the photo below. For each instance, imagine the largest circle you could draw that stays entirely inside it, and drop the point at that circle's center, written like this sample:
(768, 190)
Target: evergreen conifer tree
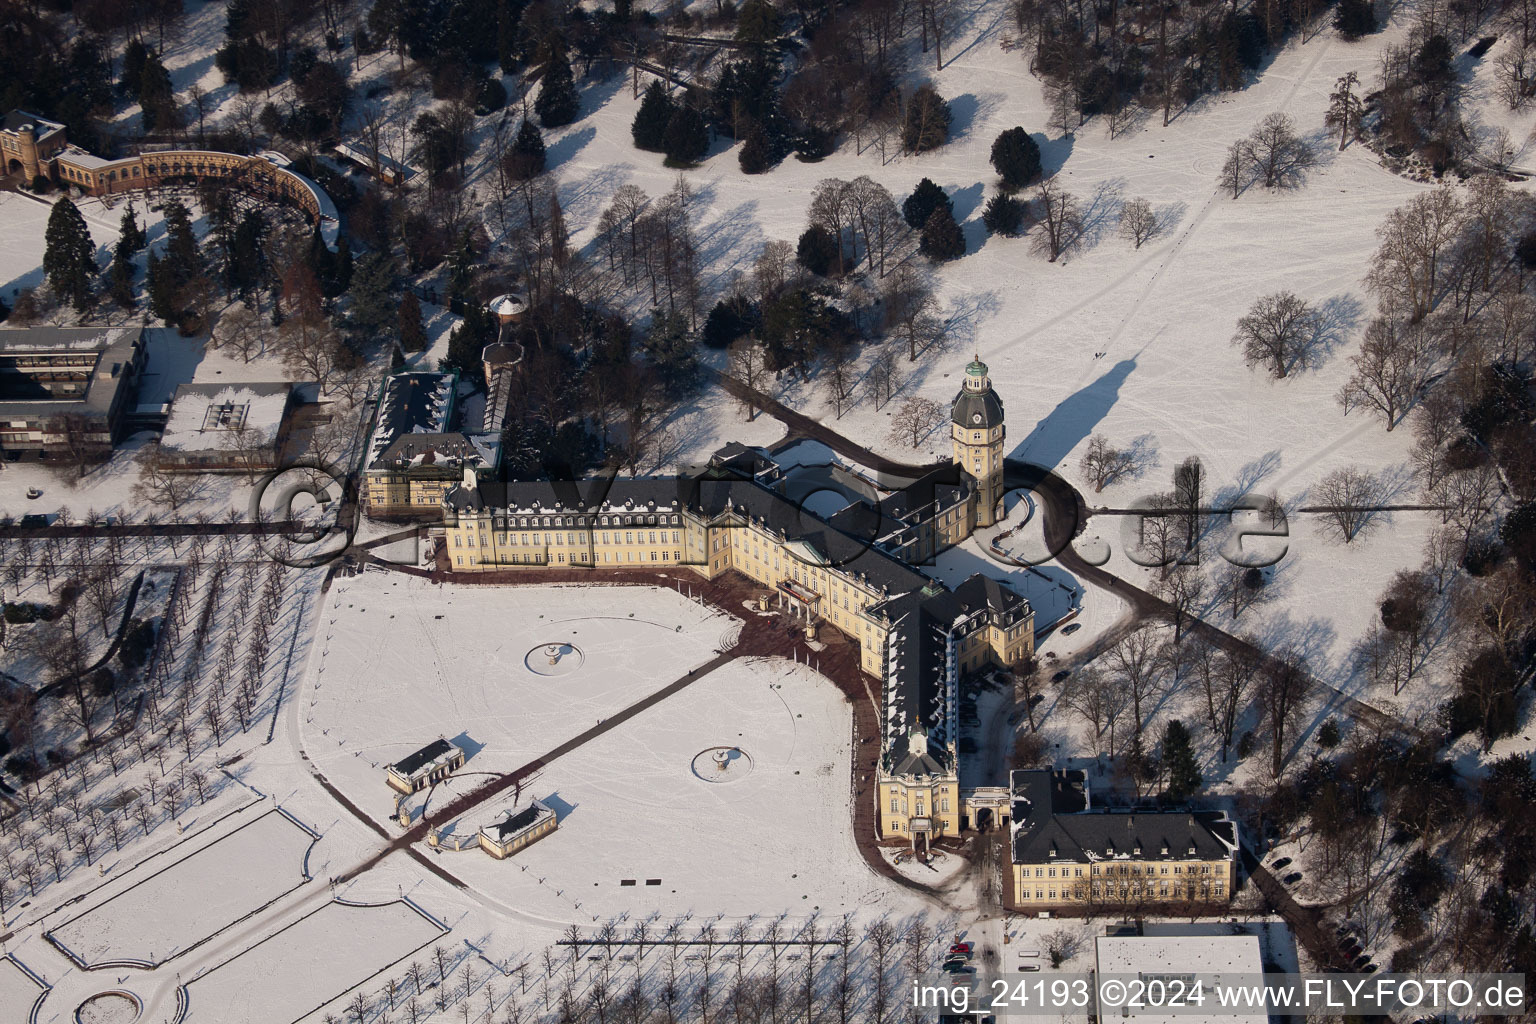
(557, 103)
(373, 293)
(1180, 763)
(1016, 158)
(120, 276)
(468, 340)
(687, 136)
(927, 123)
(157, 98)
(650, 125)
(129, 231)
(526, 158)
(920, 205)
(69, 258)
(413, 334)
(181, 256)
(1003, 215)
(942, 238)
(162, 290)
(756, 156)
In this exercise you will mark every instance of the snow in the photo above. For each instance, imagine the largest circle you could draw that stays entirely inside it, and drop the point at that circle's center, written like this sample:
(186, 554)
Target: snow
(309, 963)
(185, 429)
(401, 661)
(18, 991)
(23, 220)
(631, 807)
(171, 911)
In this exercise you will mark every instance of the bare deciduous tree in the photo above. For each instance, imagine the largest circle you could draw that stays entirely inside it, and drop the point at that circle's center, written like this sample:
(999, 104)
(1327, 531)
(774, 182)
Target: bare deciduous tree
(1061, 220)
(1392, 369)
(748, 363)
(915, 419)
(1283, 692)
(1406, 266)
(1280, 157)
(1138, 221)
(1347, 500)
(1102, 464)
(1277, 332)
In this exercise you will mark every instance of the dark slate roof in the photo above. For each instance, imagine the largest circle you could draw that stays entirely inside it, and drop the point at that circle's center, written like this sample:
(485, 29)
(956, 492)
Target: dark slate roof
(451, 449)
(916, 692)
(940, 489)
(426, 755)
(969, 404)
(411, 403)
(995, 596)
(1053, 821)
(709, 497)
(515, 823)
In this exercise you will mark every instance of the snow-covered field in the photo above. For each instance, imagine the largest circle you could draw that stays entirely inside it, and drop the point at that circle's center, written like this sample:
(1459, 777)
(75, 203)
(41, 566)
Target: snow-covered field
(643, 830)
(403, 661)
(18, 991)
(400, 662)
(178, 907)
(309, 963)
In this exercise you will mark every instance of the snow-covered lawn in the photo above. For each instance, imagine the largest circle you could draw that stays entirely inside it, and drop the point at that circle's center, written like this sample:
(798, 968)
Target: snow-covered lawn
(290, 975)
(18, 991)
(401, 662)
(23, 219)
(173, 910)
(392, 675)
(646, 824)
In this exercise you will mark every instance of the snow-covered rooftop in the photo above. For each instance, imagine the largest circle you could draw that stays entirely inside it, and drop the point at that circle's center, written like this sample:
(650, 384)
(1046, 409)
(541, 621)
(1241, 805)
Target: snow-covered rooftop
(208, 417)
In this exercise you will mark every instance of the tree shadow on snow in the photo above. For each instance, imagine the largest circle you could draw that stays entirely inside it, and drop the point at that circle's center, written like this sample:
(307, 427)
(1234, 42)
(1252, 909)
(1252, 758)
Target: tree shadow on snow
(966, 201)
(966, 110)
(1337, 318)
(568, 145)
(1053, 152)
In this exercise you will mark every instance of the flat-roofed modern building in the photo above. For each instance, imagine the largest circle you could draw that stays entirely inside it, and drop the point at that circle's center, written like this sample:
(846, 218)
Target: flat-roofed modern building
(65, 391)
(1224, 959)
(215, 428)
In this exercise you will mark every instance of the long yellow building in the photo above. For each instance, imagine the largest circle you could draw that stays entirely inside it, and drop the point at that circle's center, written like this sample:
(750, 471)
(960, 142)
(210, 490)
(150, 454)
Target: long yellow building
(852, 570)
(1069, 855)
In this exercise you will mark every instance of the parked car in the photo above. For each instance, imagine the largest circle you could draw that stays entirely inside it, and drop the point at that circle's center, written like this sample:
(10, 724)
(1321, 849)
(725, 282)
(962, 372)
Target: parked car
(1281, 864)
(1292, 878)
(1071, 628)
(958, 967)
(34, 492)
(1059, 676)
(961, 947)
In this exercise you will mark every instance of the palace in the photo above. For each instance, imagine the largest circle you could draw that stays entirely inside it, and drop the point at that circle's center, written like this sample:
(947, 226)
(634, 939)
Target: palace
(853, 570)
